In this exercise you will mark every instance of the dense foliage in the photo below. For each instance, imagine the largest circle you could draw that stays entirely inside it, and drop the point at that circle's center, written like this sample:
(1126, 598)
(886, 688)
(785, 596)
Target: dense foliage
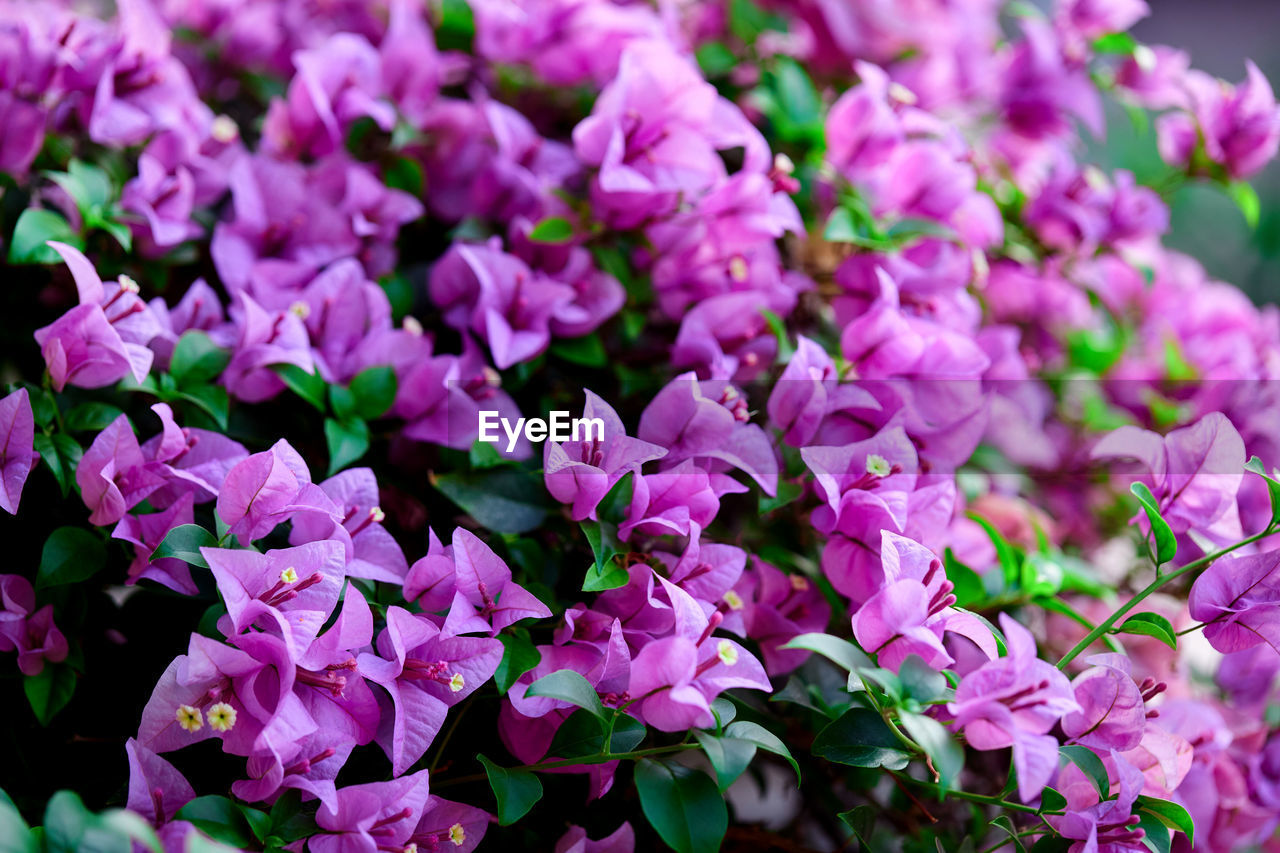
(928, 504)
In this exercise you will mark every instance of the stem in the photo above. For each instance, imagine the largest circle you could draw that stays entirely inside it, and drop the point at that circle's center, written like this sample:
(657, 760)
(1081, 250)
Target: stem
(1039, 829)
(982, 799)
(1194, 565)
(603, 758)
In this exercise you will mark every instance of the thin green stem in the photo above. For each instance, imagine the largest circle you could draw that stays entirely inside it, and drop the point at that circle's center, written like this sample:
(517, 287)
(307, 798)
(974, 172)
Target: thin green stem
(982, 799)
(1039, 829)
(603, 758)
(1160, 581)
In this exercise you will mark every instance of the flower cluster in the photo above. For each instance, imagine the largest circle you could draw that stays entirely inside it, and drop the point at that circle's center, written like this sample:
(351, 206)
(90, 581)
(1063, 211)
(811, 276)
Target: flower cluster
(907, 447)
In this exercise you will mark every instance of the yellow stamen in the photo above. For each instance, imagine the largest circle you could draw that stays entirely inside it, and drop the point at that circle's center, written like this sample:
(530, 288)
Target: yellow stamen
(222, 717)
(457, 683)
(189, 717)
(727, 653)
(799, 583)
(734, 600)
(377, 515)
(301, 309)
(457, 835)
(738, 269)
(128, 285)
(224, 129)
(289, 575)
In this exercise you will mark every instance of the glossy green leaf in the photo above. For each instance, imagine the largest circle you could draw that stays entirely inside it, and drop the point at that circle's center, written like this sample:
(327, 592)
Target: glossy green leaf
(374, 390)
(683, 805)
(763, 738)
(515, 790)
(519, 655)
(859, 737)
(729, 756)
(197, 359)
(1166, 547)
(1088, 762)
(568, 686)
(70, 555)
(50, 690)
(1150, 625)
(184, 543)
(1170, 814)
(935, 739)
(505, 500)
(841, 652)
(348, 441)
(555, 230)
(35, 227)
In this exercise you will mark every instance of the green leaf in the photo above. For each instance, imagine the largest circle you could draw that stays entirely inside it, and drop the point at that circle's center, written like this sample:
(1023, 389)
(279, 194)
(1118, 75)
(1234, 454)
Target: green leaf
(61, 455)
(1150, 625)
(787, 492)
(90, 417)
(861, 821)
(50, 691)
(197, 359)
(968, 585)
(65, 822)
(763, 738)
(70, 555)
(259, 821)
(1052, 801)
(184, 543)
(1273, 486)
(219, 818)
(729, 756)
(374, 390)
(308, 386)
(1115, 43)
(1166, 544)
(1156, 837)
(936, 741)
(579, 736)
(457, 27)
(569, 686)
(605, 574)
(1010, 562)
(210, 399)
(554, 230)
(484, 454)
(515, 790)
(519, 655)
(715, 59)
(347, 441)
(1089, 762)
(628, 733)
(723, 709)
(35, 227)
(1005, 824)
(1170, 814)
(505, 500)
(127, 826)
(859, 737)
(779, 328)
(683, 805)
(839, 651)
(404, 174)
(922, 682)
(587, 351)
(840, 227)
(15, 835)
(1246, 198)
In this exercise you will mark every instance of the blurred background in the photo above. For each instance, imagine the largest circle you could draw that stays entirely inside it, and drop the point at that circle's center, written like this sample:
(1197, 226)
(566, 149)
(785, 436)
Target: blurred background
(1219, 36)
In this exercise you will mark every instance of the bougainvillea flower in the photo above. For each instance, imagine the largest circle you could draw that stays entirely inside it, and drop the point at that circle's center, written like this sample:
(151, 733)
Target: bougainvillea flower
(266, 340)
(446, 825)
(145, 533)
(708, 421)
(674, 679)
(194, 461)
(1094, 824)
(1238, 600)
(1238, 126)
(1193, 472)
(621, 840)
(259, 491)
(474, 583)
(913, 610)
(113, 475)
(798, 401)
(309, 765)
(241, 695)
(1014, 701)
(673, 502)
(17, 600)
(772, 607)
(582, 472)
(17, 448)
(425, 674)
(372, 816)
(156, 789)
(302, 584)
(372, 552)
(1113, 713)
